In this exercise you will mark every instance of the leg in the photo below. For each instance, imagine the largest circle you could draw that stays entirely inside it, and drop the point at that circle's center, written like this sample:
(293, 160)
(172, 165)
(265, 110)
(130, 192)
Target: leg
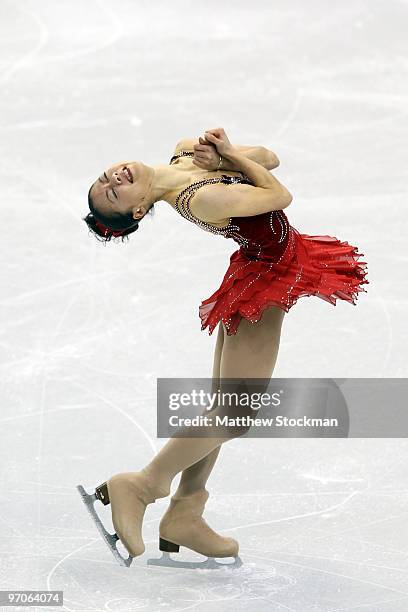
(183, 523)
(253, 350)
(195, 477)
(251, 353)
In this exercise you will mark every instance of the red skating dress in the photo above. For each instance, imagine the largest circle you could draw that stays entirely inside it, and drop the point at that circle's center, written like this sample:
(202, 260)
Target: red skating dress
(275, 264)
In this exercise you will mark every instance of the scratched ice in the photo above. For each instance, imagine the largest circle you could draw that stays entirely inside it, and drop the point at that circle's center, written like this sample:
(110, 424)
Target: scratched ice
(86, 330)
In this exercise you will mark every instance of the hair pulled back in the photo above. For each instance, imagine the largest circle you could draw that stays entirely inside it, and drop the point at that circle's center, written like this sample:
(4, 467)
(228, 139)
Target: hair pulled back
(107, 228)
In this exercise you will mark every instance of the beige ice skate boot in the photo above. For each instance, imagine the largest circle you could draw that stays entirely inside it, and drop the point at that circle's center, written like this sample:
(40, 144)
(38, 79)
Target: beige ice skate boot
(129, 493)
(183, 525)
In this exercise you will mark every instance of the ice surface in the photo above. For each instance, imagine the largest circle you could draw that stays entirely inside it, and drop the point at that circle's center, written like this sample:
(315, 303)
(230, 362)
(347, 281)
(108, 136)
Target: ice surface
(87, 329)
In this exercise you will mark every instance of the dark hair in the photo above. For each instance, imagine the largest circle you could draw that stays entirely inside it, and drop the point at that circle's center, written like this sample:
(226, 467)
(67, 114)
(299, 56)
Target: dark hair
(108, 228)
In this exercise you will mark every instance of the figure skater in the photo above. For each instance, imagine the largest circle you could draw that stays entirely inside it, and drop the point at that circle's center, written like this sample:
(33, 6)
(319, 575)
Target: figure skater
(235, 196)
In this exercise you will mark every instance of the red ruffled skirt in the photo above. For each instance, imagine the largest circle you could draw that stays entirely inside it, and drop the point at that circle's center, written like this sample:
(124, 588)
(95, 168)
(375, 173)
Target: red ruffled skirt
(321, 266)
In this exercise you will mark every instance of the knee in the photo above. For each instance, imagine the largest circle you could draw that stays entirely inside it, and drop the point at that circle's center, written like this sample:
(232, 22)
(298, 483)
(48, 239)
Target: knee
(230, 424)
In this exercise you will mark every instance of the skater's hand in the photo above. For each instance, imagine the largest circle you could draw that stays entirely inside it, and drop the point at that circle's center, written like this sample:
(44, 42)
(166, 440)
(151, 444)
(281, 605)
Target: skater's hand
(206, 155)
(218, 137)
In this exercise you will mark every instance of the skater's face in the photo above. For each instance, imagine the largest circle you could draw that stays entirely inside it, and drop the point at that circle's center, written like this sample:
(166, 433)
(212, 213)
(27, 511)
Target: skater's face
(122, 189)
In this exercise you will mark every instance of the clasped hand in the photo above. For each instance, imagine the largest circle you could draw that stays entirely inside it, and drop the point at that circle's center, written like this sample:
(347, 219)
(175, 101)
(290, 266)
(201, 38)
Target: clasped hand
(206, 155)
(207, 152)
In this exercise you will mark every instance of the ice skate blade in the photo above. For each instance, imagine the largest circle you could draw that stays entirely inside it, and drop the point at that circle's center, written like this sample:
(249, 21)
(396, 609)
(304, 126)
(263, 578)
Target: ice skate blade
(210, 563)
(109, 538)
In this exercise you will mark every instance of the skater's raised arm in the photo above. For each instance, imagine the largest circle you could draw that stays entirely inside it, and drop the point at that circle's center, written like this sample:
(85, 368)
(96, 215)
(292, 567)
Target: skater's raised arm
(206, 156)
(257, 174)
(223, 201)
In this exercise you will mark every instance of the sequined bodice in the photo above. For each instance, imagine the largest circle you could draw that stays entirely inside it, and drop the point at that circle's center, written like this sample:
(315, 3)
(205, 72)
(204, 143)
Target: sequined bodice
(264, 236)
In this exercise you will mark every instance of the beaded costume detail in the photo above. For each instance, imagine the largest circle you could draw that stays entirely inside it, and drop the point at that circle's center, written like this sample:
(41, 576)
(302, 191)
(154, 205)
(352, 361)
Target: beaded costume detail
(275, 264)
